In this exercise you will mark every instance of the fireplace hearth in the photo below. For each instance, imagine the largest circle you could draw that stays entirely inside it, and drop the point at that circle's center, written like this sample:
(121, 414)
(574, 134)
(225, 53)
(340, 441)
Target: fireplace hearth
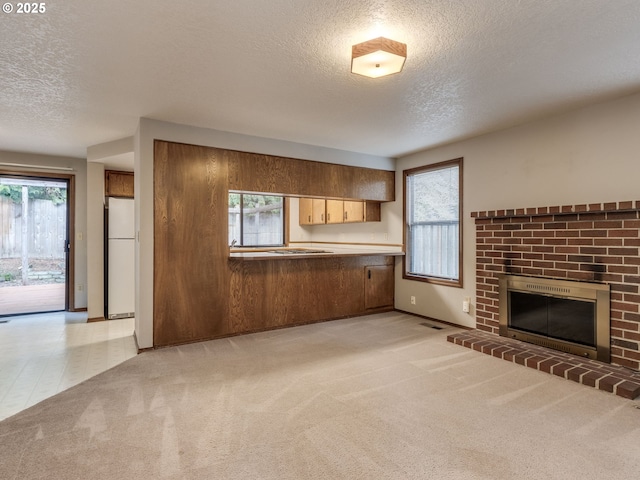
(606, 377)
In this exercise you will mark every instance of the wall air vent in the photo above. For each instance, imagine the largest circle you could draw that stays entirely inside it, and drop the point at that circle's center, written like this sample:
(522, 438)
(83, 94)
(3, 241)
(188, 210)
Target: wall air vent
(547, 288)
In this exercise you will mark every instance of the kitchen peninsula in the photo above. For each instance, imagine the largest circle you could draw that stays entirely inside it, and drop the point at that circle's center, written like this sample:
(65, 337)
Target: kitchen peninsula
(204, 290)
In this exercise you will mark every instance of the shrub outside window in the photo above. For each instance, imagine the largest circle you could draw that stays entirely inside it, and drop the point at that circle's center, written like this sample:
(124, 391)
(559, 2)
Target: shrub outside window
(433, 232)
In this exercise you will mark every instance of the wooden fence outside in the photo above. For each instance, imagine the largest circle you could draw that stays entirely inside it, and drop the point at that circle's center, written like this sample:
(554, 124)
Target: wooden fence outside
(47, 229)
(262, 225)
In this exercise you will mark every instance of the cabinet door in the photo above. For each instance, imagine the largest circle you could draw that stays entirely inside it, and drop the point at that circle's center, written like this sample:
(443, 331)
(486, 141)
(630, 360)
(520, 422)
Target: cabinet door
(379, 286)
(335, 211)
(318, 211)
(306, 211)
(353, 211)
(119, 184)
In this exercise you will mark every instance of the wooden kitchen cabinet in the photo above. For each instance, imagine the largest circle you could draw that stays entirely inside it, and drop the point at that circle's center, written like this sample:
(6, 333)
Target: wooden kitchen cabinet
(378, 286)
(253, 172)
(345, 211)
(353, 211)
(312, 211)
(306, 211)
(342, 211)
(335, 211)
(118, 184)
(372, 212)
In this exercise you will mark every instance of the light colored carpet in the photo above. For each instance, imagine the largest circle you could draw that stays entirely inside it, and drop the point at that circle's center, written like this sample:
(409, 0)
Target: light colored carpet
(377, 397)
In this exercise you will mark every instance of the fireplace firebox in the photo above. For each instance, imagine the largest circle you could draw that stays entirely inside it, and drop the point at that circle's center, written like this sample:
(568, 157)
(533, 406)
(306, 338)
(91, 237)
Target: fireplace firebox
(565, 315)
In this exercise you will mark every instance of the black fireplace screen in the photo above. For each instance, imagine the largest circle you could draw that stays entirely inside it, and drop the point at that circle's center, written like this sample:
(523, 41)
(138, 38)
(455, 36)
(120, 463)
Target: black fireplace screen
(561, 318)
(567, 315)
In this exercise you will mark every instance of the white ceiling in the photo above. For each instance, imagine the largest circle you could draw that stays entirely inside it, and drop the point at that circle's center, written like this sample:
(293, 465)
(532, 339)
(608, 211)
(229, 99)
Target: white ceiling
(83, 72)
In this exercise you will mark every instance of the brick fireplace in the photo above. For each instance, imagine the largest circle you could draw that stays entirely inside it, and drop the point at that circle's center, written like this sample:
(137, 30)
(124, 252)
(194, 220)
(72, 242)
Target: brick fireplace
(590, 242)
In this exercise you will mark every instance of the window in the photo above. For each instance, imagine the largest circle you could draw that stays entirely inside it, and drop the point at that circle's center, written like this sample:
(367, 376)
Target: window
(256, 220)
(433, 235)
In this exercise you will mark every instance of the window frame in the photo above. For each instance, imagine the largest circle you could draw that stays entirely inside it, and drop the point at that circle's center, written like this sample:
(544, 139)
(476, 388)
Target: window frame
(285, 219)
(407, 257)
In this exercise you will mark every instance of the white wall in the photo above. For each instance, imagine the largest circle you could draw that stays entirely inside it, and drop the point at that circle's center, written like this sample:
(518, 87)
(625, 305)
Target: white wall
(591, 155)
(79, 169)
(95, 240)
(150, 130)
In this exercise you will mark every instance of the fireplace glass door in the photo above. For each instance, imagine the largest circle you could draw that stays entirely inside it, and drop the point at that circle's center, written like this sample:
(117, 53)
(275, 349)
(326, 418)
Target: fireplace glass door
(560, 318)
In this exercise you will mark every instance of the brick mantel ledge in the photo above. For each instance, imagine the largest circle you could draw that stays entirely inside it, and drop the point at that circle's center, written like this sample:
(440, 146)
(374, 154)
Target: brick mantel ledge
(565, 209)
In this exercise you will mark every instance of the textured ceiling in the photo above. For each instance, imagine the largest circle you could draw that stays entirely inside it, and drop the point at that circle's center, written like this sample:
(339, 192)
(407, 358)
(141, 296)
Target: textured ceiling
(83, 72)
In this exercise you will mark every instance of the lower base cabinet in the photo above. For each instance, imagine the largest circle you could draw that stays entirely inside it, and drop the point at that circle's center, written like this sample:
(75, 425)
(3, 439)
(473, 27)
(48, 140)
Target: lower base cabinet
(379, 286)
(270, 294)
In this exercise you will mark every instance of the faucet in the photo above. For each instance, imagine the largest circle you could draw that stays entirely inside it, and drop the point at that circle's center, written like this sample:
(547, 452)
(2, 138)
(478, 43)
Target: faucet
(233, 243)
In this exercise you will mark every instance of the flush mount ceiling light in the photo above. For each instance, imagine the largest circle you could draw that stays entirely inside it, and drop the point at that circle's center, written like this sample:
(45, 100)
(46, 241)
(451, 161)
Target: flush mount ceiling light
(378, 57)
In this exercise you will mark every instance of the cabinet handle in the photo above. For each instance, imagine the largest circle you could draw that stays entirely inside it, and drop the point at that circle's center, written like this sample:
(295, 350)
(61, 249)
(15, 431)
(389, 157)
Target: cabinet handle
(328, 217)
(369, 274)
(309, 218)
(322, 217)
(346, 214)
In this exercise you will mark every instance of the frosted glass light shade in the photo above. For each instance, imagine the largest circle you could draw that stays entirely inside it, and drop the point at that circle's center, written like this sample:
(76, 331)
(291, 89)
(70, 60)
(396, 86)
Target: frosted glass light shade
(378, 57)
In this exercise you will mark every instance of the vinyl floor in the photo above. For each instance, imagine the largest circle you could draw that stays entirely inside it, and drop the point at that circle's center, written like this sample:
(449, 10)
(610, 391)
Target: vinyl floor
(44, 354)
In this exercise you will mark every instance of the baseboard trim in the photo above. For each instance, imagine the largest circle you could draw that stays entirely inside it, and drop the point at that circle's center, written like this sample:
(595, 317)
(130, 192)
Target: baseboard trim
(96, 319)
(434, 319)
(140, 350)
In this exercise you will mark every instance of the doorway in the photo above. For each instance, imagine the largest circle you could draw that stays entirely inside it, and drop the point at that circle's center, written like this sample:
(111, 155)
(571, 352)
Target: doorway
(35, 231)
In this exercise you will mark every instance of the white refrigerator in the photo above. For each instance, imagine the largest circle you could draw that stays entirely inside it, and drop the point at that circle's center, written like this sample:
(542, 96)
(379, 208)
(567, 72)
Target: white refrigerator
(121, 258)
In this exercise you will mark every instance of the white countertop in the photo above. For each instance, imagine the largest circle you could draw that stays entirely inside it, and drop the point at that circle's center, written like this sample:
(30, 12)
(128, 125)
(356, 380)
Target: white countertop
(314, 250)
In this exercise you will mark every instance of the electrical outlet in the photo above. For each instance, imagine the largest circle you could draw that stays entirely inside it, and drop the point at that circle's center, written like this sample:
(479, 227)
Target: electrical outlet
(466, 305)
(80, 287)
(413, 300)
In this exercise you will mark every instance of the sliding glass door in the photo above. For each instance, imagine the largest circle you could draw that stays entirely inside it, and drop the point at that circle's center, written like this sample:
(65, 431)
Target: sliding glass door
(34, 233)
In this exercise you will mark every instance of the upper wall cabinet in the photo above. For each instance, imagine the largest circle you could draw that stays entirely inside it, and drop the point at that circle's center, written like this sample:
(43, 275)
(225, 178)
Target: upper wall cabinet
(353, 211)
(314, 211)
(253, 172)
(335, 211)
(345, 211)
(118, 184)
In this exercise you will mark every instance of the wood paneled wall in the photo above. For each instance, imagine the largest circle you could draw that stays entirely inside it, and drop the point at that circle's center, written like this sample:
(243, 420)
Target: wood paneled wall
(290, 176)
(199, 293)
(191, 281)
